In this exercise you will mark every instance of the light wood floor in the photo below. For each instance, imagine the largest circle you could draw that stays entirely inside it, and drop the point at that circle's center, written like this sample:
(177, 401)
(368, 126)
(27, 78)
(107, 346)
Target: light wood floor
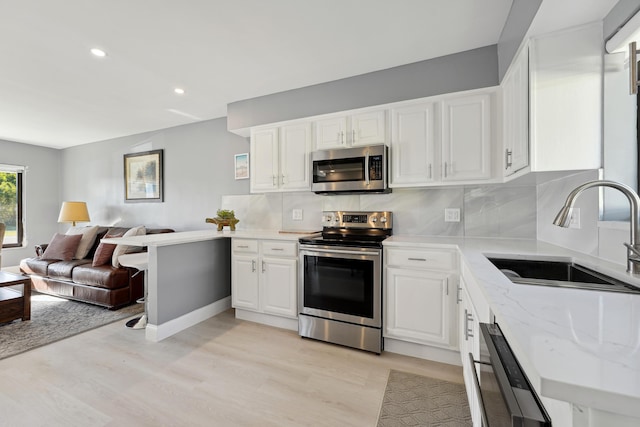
(221, 372)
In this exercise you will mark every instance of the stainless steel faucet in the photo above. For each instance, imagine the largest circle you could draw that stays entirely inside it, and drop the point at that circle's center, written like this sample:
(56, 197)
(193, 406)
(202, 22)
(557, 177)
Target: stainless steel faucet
(633, 247)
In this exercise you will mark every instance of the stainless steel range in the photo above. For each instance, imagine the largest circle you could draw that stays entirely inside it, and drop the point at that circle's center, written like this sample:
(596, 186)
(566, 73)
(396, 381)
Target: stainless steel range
(340, 280)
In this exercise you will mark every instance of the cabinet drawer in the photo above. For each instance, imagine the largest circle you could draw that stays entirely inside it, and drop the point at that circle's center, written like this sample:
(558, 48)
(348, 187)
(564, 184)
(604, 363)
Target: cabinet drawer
(245, 246)
(423, 258)
(280, 248)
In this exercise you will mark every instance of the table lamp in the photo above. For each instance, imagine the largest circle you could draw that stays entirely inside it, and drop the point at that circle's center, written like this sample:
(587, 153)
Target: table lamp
(74, 212)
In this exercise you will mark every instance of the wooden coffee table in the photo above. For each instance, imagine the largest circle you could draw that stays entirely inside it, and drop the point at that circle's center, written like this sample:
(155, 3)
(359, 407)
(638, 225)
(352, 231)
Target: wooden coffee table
(14, 304)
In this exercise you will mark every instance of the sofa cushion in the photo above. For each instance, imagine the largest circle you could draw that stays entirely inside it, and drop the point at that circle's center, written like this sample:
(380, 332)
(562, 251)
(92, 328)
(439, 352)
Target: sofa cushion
(37, 266)
(123, 249)
(62, 247)
(104, 276)
(104, 253)
(88, 237)
(63, 269)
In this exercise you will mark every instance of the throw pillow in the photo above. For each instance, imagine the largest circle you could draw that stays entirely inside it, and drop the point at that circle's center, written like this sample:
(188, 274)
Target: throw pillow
(62, 247)
(123, 249)
(104, 251)
(88, 237)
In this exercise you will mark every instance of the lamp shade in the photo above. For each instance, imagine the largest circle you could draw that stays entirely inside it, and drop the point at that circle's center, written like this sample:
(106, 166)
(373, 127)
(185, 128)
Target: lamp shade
(74, 212)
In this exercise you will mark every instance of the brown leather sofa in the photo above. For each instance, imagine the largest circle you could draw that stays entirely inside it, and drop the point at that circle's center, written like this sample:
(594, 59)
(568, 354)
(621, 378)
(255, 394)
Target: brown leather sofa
(104, 285)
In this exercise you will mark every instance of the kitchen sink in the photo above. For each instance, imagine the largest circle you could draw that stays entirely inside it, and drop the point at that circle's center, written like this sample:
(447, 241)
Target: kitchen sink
(564, 274)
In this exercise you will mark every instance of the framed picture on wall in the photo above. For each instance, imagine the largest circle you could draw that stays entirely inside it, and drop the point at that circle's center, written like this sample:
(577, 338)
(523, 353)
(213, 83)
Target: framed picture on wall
(143, 177)
(242, 166)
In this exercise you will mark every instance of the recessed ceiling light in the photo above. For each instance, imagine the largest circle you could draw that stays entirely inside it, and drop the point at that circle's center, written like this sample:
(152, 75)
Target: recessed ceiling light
(179, 91)
(98, 52)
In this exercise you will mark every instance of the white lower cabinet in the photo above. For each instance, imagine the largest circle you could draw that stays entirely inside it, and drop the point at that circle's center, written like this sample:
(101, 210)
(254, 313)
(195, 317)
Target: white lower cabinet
(264, 276)
(419, 297)
(469, 343)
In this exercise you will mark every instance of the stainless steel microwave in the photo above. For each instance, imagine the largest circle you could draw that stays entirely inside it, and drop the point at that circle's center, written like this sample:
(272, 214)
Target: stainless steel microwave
(350, 170)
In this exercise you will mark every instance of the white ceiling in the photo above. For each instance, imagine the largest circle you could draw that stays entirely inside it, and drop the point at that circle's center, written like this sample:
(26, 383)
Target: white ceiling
(53, 92)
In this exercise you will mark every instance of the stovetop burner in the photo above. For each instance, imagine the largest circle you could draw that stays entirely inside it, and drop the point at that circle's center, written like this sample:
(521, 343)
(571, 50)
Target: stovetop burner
(354, 229)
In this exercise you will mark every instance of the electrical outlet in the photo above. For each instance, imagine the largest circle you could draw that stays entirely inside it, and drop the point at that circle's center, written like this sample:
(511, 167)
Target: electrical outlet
(452, 215)
(296, 214)
(575, 218)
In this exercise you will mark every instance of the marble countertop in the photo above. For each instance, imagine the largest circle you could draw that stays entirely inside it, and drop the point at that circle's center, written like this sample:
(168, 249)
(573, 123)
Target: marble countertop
(580, 346)
(165, 239)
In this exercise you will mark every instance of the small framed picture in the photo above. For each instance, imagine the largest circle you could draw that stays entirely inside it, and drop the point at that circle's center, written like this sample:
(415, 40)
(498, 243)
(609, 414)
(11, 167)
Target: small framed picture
(143, 177)
(242, 166)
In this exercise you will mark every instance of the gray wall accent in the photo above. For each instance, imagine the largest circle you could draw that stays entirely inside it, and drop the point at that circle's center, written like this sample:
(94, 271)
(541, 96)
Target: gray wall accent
(41, 195)
(191, 276)
(198, 169)
(618, 16)
(472, 69)
(518, 22)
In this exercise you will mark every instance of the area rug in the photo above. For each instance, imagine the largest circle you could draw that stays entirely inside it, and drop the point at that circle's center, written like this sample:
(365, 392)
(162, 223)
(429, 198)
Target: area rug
(415, 400)
(53, 319)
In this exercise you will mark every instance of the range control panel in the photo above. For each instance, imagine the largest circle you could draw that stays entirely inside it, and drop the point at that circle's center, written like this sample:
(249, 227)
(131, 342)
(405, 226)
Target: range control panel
(354, 219)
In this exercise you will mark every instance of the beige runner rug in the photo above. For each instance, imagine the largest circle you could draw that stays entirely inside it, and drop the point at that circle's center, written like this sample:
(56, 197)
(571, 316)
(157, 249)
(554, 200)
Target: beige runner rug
(415, 400)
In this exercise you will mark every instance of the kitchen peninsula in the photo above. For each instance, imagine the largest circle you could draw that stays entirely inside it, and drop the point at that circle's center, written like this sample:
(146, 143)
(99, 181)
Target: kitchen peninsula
(189, 275)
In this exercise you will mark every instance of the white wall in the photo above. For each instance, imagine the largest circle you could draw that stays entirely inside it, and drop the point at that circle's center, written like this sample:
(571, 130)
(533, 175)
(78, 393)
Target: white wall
(41, 195)
(198, 169)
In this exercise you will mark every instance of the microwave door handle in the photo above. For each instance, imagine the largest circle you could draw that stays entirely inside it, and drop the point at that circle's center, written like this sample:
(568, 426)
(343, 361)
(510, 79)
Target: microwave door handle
(366, 168)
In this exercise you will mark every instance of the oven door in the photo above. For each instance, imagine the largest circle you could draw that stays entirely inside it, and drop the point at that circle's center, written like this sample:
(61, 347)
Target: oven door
(341, 283)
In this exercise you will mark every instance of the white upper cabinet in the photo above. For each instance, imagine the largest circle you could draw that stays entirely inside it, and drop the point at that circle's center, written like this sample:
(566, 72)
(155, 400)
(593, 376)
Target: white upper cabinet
(280, 158)
(566, 99)
(413, 161)
(515, 117)
(443, 140)
(466, 138)
(367, 128)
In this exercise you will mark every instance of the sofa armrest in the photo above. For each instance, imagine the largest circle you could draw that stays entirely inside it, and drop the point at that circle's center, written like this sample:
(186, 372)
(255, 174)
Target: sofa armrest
(41, 248)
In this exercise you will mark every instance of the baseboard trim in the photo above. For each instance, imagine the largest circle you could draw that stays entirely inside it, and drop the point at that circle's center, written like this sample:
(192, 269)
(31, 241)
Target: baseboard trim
(267, 319)
(435, 354)
(157, 333)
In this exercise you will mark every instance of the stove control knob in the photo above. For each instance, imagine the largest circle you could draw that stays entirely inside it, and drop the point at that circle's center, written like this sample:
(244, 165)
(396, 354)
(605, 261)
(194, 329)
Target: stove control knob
(374, 219)
(383, 219)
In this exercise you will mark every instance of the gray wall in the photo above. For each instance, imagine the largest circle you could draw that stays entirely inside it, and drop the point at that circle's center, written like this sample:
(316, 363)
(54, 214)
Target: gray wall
(518, 22)
(41, 195)
(472, 69)
(198, 169)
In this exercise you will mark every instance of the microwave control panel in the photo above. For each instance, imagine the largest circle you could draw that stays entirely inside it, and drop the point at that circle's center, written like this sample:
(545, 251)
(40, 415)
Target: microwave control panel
(375, 168)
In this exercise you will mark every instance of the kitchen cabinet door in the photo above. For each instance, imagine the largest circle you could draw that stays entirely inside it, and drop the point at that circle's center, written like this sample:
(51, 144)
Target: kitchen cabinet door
(245, 291)
(466, 138)
(469, 343)
(331, 133)
(368, 128)
(279, 286)
(515, 101)
(418, 306)
(295, 149)
(264, 160)
(413, 160)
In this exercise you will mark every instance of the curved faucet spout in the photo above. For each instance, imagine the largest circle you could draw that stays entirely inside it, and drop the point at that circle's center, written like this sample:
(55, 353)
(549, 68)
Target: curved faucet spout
(564, 216)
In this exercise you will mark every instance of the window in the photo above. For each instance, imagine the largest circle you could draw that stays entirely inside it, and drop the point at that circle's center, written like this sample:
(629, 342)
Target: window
(11, 205)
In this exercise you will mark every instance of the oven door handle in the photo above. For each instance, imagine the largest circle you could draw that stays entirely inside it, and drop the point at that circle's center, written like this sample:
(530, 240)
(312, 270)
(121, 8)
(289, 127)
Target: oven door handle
(316, 252)
(476, 383)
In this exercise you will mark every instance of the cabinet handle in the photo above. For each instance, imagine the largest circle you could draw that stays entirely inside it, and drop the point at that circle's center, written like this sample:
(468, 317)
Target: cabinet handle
(263, 267)
(445, 169)
(274, 179)
(430, 171)
(243, 246)
(468, 332)
(508, 158)
(353, 136)
(447, 289)
(417, 259)
(253, 265)
(341, 136)
(458, 295)
(282, 179)
(277, 249)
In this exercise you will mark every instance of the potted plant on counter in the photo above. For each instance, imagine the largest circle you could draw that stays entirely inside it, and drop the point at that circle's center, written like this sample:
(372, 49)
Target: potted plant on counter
(224, 217)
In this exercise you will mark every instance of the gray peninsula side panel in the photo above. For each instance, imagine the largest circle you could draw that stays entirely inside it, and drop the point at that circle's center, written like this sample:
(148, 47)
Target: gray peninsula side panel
(192, 276)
